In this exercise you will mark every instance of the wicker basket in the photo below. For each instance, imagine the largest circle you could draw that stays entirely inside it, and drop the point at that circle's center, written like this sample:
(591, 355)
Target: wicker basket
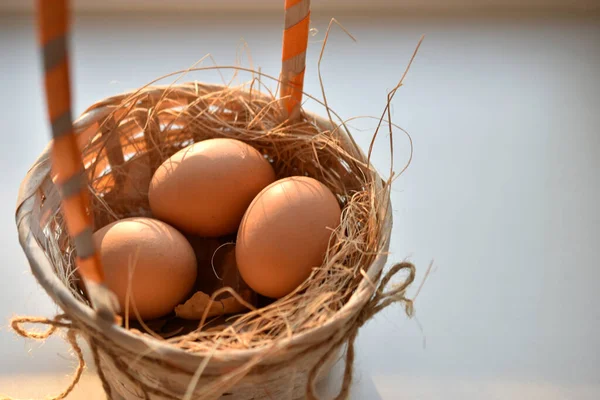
(137, 366)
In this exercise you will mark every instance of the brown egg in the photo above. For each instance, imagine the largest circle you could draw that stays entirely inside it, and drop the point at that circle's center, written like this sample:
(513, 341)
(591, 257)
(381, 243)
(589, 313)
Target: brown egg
(285, 234)
(206, 188)
(161, 261)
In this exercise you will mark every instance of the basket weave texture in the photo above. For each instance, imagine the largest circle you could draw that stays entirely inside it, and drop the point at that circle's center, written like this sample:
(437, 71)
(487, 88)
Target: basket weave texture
(120, 155)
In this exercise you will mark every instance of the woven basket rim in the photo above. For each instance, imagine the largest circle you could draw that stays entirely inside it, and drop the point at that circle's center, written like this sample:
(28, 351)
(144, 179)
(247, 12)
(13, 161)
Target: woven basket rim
(83, 314)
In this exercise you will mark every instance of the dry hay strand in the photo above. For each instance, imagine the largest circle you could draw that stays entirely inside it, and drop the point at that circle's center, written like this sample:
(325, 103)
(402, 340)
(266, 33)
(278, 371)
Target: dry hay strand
(126, 137)
(167, 119)
(144, 128)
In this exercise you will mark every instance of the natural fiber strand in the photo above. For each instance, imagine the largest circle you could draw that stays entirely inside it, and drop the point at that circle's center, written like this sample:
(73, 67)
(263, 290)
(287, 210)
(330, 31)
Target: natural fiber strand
(99, 371)
(357, 213)
(381, 299)
(53, 325)
(154, 122)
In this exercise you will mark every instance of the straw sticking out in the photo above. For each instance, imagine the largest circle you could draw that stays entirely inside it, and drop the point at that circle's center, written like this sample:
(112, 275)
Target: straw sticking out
(66, 159)
(293, 59)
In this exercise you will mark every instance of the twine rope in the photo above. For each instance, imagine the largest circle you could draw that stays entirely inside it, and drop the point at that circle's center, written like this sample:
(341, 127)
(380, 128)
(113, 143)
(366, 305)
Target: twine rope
(381, 299)
(53, 325)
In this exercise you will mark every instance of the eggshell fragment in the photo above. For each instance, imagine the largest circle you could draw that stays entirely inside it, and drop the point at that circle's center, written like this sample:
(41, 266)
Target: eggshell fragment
(205, 188)
(285, 234)
(222, 266)
(151, 260)
(195, 307)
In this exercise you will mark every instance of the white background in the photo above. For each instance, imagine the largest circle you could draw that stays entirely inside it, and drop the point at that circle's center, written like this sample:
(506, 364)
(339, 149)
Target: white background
(459, 6)
(503, 192)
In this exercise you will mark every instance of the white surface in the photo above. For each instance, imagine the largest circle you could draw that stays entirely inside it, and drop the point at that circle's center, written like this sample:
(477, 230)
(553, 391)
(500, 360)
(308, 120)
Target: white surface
(503, 191)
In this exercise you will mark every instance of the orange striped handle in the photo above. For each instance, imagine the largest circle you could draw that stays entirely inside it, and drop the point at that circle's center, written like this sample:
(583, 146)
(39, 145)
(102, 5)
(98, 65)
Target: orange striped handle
(293, 59)
(66, 158)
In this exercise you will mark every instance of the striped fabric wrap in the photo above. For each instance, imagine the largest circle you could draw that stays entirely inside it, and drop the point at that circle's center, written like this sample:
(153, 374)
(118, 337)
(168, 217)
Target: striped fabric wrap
(295, 43)
(67, 166)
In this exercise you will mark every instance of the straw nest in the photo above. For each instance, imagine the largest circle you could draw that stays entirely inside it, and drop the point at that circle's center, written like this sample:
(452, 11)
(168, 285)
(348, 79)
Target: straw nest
(143, 129)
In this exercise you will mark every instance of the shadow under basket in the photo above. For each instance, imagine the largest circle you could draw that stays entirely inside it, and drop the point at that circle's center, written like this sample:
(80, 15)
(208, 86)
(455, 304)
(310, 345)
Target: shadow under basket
(123, 140)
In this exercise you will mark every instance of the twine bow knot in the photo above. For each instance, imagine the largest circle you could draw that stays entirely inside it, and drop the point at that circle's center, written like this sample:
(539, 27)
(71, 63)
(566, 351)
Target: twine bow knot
(380, 300)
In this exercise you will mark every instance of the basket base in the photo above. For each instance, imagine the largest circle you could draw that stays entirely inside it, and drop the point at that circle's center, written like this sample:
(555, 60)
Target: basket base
(287, 383)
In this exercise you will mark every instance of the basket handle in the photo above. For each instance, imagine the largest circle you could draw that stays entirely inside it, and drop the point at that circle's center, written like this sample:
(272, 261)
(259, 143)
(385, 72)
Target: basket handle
(293, 55)
(67, 167)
